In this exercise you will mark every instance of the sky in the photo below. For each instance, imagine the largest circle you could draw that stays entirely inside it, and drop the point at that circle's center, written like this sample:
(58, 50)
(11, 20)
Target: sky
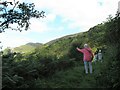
(63, 17)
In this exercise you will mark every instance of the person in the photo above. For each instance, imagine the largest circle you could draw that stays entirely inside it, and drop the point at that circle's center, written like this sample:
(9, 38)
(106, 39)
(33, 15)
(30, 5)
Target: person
(87, 52)
(100, 56)
(95, 59)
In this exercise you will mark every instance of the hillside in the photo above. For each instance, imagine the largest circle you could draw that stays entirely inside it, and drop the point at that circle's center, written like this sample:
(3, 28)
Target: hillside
(29, 47)
(61, 47)
(64, 37)
(57, 64)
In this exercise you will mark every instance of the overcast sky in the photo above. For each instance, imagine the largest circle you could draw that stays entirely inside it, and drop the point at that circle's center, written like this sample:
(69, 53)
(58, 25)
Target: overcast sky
(63, 17)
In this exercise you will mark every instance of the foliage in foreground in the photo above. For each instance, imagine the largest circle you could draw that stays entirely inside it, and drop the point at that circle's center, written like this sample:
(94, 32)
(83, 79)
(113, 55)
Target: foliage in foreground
(17, 13)
(18, 73)
(46, 67)
(110, 72)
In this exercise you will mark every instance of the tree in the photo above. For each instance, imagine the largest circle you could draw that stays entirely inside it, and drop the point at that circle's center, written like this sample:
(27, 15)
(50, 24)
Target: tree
(73, 53)
(17, 13)
(7, 51)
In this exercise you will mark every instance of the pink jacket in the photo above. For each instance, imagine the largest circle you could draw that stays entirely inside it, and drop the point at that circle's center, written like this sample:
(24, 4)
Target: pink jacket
(87, 54)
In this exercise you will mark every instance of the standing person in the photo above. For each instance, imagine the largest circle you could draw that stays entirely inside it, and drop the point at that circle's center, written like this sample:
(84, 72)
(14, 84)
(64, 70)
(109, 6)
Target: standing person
(95, 57)
(100, 56)
(87, 52)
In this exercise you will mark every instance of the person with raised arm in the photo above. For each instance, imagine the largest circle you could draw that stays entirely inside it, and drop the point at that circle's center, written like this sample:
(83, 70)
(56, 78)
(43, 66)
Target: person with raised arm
(87, 58)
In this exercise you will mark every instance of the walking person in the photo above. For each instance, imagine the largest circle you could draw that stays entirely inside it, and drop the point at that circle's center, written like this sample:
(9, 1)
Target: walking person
(100, 56)
(87, 52)
(95, 59)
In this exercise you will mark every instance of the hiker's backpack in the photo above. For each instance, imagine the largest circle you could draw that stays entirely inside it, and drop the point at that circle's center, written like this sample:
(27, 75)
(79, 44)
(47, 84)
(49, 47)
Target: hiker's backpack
(91, 54)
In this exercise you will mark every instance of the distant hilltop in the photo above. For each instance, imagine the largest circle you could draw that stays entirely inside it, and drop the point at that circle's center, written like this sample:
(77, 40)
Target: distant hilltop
(34, 44)
(27, 47)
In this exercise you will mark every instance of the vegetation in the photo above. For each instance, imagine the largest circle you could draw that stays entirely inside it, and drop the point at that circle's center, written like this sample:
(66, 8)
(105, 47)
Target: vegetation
(57, 64)
(29, 47)
(110, 75)
(18, 14)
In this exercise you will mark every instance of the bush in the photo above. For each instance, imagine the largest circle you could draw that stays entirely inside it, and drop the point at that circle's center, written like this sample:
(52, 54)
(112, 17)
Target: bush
(109, 76)
(73, 53)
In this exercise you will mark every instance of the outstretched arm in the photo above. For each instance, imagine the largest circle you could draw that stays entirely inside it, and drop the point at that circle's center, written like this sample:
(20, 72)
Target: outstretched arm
(79, 49)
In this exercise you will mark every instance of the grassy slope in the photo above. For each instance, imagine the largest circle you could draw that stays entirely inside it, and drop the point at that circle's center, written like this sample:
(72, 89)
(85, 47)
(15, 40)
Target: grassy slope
(24, 48)
(105, 74)
(75, 77)
(30, 47)
(61, 47)
(71, 78)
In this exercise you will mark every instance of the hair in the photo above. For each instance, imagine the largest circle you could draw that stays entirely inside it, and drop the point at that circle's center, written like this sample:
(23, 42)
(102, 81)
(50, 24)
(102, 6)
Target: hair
(85, 45)
(99, 51)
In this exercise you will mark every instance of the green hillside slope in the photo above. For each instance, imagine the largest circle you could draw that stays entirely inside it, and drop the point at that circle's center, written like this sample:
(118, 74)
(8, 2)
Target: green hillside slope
(29, 47)
(70, 78)
(57, 64)
(62, 47)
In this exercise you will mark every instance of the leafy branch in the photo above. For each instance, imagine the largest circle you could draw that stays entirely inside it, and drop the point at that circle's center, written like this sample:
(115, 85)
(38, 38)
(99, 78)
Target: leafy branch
(19, 14)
